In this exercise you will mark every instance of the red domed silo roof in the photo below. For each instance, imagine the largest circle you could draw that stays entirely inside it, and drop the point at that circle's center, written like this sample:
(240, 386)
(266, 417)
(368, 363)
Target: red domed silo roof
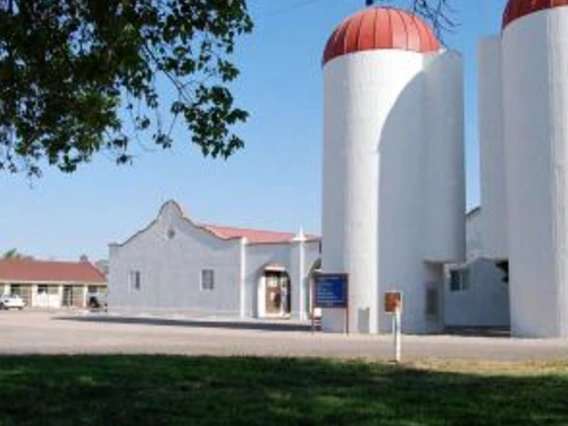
(516, 9)
(381, 28)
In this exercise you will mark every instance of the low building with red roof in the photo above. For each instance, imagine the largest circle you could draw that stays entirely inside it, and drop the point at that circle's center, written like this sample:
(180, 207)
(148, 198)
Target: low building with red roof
(51, 284)
(176, 264)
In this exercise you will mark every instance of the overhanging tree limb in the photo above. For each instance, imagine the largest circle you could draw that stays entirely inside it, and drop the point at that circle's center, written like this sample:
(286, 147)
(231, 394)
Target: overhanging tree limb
(68, 68)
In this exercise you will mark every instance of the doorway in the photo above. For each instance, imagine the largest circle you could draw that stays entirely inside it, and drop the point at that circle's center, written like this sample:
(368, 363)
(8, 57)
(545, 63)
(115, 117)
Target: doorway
(275, 293)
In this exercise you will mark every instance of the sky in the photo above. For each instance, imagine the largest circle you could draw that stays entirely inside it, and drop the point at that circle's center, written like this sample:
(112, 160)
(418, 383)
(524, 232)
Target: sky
(274, 183)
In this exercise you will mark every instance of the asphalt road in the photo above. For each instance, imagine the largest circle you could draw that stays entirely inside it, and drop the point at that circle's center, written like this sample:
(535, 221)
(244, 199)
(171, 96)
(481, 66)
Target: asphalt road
(40, 332)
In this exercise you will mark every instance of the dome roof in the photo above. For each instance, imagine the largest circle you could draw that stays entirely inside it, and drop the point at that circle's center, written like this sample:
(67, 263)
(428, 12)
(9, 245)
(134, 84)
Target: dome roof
(380, 28)
(516, 9)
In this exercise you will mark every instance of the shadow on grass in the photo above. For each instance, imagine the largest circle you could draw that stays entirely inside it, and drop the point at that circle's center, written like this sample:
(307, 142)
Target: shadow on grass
(139, 390)
(225, 324)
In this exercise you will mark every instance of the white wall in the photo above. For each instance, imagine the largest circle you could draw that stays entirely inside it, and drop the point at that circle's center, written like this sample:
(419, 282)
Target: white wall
(486, 302)
(304, 255)
(492, 149)
(535, 70)
(474, 234)
(444, 169)
(171, 269)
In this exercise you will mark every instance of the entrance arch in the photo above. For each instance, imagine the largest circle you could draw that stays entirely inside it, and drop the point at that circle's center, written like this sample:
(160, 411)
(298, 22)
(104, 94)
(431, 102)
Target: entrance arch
(274, 292)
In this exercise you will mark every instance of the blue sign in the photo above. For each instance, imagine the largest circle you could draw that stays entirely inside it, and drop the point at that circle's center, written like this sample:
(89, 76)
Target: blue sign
(331, 291)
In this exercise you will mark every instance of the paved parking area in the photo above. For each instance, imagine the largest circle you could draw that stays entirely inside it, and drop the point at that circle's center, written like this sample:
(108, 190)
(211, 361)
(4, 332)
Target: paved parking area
(40, 332)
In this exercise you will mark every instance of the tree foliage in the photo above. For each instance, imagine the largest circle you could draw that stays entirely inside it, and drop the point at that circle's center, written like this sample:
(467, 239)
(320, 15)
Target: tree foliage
(440, 13)
(80, 76)
(15, 254)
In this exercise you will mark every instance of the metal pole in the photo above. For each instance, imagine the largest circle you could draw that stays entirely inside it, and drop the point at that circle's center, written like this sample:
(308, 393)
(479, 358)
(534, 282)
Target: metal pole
(347, 311)
(397, 334)
(312, 300)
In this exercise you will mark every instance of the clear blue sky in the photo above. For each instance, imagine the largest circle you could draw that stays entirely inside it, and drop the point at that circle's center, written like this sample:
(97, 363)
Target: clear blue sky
(274, 183)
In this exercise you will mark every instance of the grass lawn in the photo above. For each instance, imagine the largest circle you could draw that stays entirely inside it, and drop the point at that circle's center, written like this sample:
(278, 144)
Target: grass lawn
(160, 390)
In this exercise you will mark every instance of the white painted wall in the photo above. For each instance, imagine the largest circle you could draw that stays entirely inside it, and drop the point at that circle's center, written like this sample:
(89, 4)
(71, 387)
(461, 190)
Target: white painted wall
(45, 300)
(535, 69)
(444, 169)
(474, 234)
(486, 302)
(379, 175)
(171, 269)
(492, 149)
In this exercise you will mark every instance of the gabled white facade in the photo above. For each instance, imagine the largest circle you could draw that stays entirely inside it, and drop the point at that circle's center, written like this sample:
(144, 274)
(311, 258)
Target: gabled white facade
(159, 271)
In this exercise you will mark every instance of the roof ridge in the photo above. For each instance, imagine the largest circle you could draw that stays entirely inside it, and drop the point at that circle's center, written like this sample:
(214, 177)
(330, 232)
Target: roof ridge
(243, 228)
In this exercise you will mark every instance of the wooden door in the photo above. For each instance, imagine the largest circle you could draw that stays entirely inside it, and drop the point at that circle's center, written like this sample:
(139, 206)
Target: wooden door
(273, 298)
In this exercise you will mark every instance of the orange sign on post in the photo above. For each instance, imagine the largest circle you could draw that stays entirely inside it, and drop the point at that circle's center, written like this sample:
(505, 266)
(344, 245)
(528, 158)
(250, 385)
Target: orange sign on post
(393, 305)
(393, 301)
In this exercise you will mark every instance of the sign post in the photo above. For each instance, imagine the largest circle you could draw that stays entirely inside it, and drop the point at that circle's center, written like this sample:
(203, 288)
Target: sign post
(331, 291)
(393, 306)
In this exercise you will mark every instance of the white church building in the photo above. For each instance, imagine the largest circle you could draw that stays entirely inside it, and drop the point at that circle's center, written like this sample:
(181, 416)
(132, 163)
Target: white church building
(177, 266)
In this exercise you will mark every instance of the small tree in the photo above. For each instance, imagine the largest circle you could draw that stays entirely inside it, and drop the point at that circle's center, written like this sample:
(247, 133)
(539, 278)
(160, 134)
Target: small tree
(15, 254)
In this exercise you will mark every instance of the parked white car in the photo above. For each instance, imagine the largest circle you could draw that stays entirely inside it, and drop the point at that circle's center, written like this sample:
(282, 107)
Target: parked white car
(11, 301)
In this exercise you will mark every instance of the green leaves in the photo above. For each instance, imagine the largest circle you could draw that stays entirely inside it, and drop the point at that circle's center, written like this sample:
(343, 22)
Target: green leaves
(70, 69)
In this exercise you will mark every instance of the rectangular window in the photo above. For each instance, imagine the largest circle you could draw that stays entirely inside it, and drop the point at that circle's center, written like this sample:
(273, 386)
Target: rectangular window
(15, 289)
(42, 289)
(135, 282)
(207, 279)
(459, 280)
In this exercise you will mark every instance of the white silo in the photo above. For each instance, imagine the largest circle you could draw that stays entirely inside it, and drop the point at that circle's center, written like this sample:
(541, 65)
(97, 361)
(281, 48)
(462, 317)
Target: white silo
(393, 180)
(535, 105)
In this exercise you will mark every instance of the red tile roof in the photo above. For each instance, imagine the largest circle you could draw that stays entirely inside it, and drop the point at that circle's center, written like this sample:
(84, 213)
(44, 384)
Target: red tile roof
(253, 236)
(16, 270)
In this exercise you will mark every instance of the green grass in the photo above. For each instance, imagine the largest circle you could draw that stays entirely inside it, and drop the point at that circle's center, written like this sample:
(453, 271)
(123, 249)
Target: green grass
(160, 390)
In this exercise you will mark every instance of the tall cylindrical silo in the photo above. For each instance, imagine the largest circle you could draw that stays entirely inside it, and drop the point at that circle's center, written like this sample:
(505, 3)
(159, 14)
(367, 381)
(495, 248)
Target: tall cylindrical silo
(535, 79)
(374, 93)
